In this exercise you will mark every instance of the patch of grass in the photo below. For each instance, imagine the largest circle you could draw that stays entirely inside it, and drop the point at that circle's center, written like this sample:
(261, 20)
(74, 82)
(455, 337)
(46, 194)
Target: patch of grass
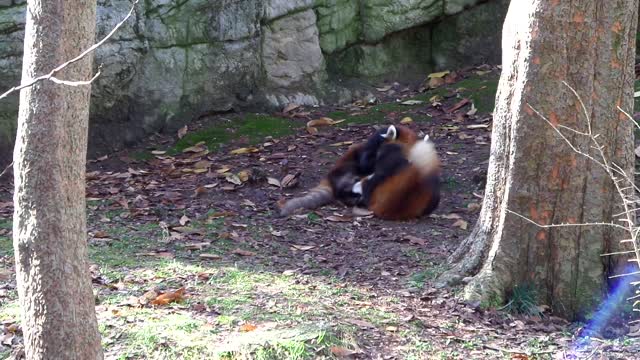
(253, 127)
(450, 183)
(6, 224)
(166, 335)
(481, 90)
(311, 341)
(418, 279)
(523, 300)
(377, 316)
(141, 155)
(419, 349)
(10, 309)
(6, 246)
(120, 252)
(494, 301)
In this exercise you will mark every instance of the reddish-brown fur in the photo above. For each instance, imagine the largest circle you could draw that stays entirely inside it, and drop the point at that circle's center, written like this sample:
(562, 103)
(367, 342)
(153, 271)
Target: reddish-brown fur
(410, 193)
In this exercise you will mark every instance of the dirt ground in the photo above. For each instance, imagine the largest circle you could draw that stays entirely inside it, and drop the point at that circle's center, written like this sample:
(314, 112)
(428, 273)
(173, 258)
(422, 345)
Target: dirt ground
(174, 214)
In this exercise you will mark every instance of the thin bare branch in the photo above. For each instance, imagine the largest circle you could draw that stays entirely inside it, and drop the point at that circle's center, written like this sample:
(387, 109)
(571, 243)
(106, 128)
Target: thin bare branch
(618, 253)
(625, 274)
(75, 83)
(630, 117)
(568, 224)
(6, 169)
(51, 75)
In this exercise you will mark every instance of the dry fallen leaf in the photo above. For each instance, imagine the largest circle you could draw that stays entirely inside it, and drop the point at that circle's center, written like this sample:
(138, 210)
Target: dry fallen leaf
(302, 247)
(279, 233)
(184, 220)
(233, 178)
(478, 126)
(342, 352)
(440, 74)
(473, 207)
(248, 202)
(244, 175)
(188, 230)
(273, 182)
(406, 120)
(199, 147)
(338, 218)
(243, 252)
(247, 327)
(202, 164)
(197, 246)
(461, 224)
(223, 170)
(289, 181)
(101, 234)
(158, 152)
(182, 132)
(436, 82)
(244, 150)
(358, 211)
(436, 98)
(210, 256)
(323, 121)
(451, 216)
(341, 143)
(415, 240)
(473, 110)
(412, 102)
(290, 107)
(458, 105)
(360, 323)
(200, 190)
(169, 297)
(146, 297)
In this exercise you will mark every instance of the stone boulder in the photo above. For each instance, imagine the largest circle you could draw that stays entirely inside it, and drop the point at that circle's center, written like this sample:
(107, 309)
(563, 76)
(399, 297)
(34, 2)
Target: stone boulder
(177, 60)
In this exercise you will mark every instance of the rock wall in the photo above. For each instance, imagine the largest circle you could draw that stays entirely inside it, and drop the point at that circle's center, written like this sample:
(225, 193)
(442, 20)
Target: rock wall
(176, 60)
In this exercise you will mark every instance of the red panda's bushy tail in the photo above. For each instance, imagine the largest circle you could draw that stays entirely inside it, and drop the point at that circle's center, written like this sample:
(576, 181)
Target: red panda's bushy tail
(318, 196)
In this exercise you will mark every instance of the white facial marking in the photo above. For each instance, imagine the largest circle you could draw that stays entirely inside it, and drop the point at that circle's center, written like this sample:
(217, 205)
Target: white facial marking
(357, 188)
(391, 133)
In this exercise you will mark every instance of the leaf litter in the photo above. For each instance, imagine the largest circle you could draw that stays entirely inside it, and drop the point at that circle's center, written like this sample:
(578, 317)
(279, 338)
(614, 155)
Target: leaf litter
(201, 209)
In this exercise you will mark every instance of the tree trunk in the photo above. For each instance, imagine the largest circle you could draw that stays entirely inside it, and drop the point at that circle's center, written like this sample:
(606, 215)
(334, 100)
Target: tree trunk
(590, 44)
(49, 228)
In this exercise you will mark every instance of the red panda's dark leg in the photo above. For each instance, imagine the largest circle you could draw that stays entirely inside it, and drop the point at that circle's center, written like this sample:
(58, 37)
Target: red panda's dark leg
(369, 152)
(390, 161)
(433, 183)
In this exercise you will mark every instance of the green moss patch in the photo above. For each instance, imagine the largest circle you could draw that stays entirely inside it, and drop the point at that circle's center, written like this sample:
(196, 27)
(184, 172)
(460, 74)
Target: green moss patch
(252, 127)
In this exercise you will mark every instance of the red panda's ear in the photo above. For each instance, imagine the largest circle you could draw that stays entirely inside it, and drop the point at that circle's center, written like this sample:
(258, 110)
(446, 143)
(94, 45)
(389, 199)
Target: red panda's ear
(392, 133)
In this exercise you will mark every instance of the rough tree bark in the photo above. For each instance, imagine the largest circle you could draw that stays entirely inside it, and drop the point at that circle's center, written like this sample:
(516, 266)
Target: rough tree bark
(590, 44)
(50, 242)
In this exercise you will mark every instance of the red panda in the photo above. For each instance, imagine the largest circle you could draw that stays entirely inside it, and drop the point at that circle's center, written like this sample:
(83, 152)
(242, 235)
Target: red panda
(337, 185)
(405, 182)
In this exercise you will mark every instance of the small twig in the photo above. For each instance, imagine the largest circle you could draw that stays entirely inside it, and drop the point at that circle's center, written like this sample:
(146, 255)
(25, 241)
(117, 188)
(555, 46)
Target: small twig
(568, 224)
(6, 169)
(50, 76)
(497, 348)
